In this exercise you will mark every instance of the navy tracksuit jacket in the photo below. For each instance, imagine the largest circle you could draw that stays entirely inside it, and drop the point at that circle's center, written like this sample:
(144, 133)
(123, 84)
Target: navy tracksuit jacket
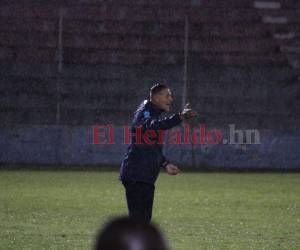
(142, 162)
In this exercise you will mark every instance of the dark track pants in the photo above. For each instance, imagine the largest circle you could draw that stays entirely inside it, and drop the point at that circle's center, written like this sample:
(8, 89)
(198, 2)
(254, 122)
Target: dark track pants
(139, 198)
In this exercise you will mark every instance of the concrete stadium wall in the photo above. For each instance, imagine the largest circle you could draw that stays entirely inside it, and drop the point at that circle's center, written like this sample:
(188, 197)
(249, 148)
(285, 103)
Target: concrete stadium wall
(61, 145)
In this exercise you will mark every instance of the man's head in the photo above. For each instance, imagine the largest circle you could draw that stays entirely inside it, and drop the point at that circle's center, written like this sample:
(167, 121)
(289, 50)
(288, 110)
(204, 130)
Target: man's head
(125, 233)
(161, 96)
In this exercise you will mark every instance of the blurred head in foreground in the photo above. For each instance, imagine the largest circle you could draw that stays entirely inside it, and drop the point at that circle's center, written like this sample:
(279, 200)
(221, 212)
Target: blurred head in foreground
(130, 234)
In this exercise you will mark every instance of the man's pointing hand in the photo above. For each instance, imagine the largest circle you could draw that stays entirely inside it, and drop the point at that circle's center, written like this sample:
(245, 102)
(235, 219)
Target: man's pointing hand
(187, 113)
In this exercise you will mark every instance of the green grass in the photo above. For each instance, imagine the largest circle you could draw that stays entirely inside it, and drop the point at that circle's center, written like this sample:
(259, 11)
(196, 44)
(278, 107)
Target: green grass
(62, 210)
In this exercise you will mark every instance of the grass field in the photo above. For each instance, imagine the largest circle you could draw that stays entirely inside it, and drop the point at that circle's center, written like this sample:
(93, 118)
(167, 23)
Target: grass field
(62, 210)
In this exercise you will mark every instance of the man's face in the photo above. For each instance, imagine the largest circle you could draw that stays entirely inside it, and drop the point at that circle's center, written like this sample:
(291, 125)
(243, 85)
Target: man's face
(163, 99)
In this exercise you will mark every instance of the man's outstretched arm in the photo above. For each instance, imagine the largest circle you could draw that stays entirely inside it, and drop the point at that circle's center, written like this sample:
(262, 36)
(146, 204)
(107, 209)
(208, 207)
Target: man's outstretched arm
(167, 123)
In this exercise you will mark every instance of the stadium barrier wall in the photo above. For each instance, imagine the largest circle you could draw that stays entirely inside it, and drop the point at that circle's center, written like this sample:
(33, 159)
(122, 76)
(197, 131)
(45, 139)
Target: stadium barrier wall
(66, 145)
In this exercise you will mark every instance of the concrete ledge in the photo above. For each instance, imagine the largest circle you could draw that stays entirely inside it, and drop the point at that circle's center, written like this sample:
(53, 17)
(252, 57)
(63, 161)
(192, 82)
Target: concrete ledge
(64, 145)
(267, 5)
(275, 20)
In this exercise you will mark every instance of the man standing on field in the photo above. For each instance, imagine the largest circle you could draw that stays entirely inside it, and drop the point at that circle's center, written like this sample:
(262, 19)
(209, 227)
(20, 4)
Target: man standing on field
(143, 160)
